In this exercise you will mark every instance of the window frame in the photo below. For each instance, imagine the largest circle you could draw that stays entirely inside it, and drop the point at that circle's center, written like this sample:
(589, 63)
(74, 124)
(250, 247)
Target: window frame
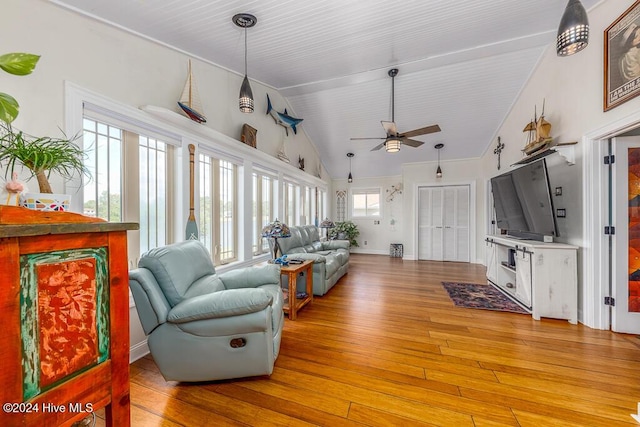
(366, 192)
(215, 166)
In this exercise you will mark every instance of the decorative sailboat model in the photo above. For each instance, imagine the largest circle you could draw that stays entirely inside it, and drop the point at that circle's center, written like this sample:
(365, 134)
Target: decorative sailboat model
(538, 133)
(190, 100)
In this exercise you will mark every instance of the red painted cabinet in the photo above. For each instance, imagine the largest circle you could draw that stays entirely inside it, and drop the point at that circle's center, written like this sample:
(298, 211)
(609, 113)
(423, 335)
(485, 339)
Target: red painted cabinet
(64, 310)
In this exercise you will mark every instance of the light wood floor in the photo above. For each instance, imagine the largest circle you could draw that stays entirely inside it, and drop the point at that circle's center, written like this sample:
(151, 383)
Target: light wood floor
(386, 347)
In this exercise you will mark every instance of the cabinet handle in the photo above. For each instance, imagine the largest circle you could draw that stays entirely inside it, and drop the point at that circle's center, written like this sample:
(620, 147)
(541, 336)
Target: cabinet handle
(510, 285)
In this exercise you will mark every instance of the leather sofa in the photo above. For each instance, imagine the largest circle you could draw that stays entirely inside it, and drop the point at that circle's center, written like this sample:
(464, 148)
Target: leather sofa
(204, 326)
(330, 258)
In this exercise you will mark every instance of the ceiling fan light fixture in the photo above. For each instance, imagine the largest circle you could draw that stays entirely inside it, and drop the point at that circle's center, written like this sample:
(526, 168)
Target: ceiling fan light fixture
(392, 145)
(573, 31)
(245, 100)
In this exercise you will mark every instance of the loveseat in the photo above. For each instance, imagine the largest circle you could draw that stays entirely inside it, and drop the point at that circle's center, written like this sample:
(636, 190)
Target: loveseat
(205, 326)
(330, 258)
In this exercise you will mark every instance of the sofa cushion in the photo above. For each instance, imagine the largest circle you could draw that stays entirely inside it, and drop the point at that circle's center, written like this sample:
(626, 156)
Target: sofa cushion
(295, 241)
(204, 285)
(313, 233)
(178, 266)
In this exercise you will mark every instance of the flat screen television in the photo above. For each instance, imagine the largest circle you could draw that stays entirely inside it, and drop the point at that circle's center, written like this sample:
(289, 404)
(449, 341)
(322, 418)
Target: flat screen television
(522, 202)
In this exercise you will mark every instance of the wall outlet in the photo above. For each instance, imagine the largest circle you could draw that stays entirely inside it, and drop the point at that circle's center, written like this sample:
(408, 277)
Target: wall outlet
(365, 243)
(376, 222)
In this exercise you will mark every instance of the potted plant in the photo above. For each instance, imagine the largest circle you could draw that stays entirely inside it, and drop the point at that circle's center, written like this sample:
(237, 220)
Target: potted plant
(41, 156)
(345, 230)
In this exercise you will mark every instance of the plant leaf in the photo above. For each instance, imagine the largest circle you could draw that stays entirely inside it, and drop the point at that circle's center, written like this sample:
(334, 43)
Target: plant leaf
(8, 108)
(19, 64)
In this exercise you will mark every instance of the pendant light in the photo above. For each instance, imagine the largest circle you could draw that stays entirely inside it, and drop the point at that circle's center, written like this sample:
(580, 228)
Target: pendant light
(439, 170)
(350, 178)
(245, 20)
(573, 32)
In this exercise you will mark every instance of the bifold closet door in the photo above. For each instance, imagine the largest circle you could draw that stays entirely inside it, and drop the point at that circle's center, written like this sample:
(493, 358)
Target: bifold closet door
(443, 223)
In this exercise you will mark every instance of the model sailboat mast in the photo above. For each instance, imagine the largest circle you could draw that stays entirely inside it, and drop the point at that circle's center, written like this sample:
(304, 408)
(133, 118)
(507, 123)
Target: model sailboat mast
(190, 101)
(538, 132)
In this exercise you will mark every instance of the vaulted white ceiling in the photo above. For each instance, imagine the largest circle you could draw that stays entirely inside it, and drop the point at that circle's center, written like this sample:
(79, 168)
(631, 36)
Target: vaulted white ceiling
(461, 64)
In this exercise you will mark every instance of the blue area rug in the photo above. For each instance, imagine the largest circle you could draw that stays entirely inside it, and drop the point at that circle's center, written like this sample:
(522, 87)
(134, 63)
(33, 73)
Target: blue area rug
(486, 297)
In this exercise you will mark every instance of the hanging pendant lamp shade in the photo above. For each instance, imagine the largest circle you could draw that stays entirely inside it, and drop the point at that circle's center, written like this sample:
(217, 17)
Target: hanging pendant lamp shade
(246, 96)
(573, 32)
(350, 177)
(439, 170)
(245, 100)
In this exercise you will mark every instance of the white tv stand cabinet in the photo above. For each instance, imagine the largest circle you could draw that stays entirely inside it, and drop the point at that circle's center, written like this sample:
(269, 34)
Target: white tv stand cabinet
(542, 277)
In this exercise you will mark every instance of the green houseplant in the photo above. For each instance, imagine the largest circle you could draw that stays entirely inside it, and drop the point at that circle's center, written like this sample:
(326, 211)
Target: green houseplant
(41, 156)
(19, 64)
(348, 229)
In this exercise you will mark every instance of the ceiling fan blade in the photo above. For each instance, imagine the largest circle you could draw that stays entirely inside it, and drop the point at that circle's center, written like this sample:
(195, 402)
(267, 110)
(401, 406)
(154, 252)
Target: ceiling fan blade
(379, 146)
(421, 131)
(358, 139)
(411, 142)
(390, 128)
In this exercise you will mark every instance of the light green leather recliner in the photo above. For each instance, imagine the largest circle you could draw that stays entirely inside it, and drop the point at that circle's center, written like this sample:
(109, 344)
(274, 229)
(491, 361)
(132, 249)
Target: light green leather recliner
(204, 326)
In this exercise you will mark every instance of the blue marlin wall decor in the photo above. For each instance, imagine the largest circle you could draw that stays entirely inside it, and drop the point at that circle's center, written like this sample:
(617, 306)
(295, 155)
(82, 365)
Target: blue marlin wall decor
(283, 119)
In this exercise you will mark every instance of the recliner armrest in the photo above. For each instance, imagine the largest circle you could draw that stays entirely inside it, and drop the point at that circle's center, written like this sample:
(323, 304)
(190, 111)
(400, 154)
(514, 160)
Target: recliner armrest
(226, 303)
(151, 304)
(336, 244)
(316, 258)
(251, 277)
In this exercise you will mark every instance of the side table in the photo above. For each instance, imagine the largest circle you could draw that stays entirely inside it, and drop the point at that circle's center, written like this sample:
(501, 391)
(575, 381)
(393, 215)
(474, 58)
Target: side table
(294, 304)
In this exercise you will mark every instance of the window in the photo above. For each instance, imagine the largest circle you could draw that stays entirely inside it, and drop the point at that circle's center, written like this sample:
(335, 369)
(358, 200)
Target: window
(130, 182)
(305, 206)
(321, 208)
(153, 193)
(290, 197)
(218, 226)
(263, 210)
(366, 203)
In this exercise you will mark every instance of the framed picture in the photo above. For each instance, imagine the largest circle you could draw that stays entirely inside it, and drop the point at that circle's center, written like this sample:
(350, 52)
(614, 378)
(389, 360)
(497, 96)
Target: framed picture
(622, 58)
(249, 135)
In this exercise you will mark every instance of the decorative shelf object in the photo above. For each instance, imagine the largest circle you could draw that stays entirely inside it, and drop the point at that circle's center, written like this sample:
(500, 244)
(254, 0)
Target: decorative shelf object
(565, 149)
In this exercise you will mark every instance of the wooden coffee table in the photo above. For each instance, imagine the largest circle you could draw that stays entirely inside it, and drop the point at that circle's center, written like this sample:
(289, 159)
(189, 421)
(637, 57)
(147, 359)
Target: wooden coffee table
(291, 303)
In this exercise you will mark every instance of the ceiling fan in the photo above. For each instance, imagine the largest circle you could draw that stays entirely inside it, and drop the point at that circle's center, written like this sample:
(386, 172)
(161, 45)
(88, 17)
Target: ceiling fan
(394, 139)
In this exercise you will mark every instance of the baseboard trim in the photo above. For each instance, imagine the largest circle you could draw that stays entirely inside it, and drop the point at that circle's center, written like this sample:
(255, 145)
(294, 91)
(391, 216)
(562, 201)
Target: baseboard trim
(369, 252)
(138, 351)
